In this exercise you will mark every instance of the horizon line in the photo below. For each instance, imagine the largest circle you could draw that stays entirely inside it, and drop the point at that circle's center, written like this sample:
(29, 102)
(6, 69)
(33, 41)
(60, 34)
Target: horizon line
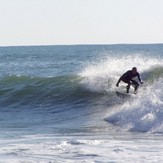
(82, 44)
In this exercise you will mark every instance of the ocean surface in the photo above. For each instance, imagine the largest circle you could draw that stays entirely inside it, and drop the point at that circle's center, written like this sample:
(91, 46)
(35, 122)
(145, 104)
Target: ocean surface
(59, 104)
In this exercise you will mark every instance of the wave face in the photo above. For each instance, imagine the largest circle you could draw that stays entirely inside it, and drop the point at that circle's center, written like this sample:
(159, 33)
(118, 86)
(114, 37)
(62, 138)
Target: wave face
(79, 95)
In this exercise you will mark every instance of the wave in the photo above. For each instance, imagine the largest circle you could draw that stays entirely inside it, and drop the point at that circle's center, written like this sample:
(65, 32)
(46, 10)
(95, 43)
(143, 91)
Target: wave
(144, 112)
(94, 81)
(24, 90)
(95, 88)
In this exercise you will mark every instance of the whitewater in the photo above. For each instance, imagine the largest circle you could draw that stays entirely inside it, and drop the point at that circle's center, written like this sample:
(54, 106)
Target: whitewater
(58, 104)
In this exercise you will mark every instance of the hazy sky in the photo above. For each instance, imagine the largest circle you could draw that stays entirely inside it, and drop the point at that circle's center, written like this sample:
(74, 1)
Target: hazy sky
(43, 22)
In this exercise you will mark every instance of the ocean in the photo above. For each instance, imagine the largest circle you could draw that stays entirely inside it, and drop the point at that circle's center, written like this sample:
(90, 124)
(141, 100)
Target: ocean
(59, 104)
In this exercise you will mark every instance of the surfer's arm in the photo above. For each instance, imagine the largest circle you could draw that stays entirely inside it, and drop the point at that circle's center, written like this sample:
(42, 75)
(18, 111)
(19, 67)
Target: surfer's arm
(139, 78)
(121, 78)
(119, 81)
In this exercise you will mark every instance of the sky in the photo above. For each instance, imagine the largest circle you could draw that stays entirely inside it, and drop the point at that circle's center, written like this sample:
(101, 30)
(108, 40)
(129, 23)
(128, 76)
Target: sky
(55, 22)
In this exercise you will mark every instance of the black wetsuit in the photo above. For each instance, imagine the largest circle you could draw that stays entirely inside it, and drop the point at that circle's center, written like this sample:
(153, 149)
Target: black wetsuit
(127, 78)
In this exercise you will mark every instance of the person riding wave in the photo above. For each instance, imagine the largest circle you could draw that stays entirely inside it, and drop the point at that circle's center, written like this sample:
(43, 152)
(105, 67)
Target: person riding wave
(128, 76)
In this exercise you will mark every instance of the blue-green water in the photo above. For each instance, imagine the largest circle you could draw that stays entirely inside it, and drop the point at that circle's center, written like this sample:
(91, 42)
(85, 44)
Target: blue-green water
(47, 92)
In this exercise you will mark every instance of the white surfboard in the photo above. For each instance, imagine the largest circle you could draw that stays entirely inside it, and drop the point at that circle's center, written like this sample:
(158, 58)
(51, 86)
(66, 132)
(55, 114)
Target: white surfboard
(124, 95)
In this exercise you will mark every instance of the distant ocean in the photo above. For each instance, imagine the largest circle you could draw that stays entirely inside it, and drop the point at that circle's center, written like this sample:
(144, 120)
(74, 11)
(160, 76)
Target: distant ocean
(58, 104)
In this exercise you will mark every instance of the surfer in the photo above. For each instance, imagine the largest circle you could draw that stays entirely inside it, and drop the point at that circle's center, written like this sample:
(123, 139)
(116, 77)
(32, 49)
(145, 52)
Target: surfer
(128, 78)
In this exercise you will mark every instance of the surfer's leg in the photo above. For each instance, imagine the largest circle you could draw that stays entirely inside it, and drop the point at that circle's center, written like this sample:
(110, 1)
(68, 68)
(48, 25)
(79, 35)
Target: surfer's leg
(128, 87)
(136, 85)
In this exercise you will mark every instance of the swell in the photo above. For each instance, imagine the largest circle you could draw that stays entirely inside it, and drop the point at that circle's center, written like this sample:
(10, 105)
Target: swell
(24, 91)
(71, 89)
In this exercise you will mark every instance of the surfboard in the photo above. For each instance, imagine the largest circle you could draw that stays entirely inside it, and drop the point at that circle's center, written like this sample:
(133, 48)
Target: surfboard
(124, 95)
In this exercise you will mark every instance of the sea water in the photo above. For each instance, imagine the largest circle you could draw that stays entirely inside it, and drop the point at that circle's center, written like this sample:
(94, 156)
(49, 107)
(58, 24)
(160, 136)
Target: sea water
(58, 104)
